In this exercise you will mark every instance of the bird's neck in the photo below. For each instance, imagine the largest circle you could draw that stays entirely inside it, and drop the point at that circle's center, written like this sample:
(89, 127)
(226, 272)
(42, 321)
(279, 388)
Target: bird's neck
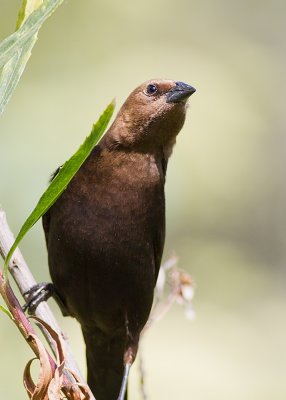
(142, 169)
(137, 139)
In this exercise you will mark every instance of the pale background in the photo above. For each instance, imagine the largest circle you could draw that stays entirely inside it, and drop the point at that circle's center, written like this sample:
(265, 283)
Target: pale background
(225, 187)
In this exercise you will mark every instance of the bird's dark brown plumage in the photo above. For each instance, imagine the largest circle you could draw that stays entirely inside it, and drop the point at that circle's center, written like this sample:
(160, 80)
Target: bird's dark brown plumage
(105, 234)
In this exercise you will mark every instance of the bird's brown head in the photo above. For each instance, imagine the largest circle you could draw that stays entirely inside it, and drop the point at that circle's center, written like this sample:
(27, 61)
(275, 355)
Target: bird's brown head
(152, 115)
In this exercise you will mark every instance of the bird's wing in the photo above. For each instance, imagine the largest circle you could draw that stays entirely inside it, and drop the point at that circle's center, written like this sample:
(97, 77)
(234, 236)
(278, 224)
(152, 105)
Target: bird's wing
(46, 217)
(46, 225)
(55, 173)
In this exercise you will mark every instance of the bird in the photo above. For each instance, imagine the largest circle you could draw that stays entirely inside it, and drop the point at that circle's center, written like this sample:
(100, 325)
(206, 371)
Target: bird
(105, 234)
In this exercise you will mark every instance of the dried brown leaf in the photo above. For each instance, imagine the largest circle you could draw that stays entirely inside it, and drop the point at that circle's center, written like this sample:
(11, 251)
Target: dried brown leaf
(73, 389)
(56, 383)
(57, 338)
(78, 390)
(38, 391)
(28, 381)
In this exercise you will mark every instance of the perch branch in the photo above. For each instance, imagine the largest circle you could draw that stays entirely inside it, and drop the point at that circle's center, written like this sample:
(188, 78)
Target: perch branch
(25, 280)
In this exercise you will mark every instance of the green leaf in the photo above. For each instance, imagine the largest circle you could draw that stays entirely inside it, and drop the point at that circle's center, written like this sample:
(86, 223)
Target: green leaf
(21, 14)
(16, 49)
(6, 311)
(62, 179)
(32, 24)
(12, 72)
(27, 7)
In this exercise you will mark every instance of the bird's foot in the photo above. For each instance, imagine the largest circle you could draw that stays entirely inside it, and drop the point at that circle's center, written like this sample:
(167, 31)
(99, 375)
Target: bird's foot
(36, 294)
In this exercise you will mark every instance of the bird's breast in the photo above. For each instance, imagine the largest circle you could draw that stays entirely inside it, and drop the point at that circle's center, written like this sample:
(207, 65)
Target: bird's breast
(121, 184)
(104, 230)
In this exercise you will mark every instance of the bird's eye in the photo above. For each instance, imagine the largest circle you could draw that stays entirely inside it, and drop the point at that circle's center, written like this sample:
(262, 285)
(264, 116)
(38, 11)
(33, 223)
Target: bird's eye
(151, 89)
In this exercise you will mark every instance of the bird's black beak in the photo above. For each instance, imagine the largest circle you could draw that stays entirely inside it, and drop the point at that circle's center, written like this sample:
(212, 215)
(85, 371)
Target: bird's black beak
(180, 93)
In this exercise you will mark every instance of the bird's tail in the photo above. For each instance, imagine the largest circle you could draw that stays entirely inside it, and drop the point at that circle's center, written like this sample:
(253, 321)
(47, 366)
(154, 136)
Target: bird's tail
(105, 367)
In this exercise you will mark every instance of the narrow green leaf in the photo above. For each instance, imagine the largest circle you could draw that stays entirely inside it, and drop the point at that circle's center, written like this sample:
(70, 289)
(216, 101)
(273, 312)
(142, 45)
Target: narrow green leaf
(12, 72)
(63, 178)
(6, 311)
(16, 49)
(27, 7)
(32, 24)
(21, 14)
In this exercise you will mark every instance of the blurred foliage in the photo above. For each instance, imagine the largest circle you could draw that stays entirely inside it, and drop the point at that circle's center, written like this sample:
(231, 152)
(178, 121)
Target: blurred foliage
(225, 185)
(62, 178)
(15, 49)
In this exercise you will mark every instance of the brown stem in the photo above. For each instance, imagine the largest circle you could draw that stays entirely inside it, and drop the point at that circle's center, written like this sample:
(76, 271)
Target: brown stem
(25, 280)
(19, 318)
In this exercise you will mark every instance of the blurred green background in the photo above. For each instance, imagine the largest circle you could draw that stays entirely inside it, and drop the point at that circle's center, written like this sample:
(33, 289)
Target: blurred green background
(225, 186)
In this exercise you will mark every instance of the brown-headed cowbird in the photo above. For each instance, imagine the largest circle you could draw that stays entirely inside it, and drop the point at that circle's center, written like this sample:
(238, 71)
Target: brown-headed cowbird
(105, 234)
